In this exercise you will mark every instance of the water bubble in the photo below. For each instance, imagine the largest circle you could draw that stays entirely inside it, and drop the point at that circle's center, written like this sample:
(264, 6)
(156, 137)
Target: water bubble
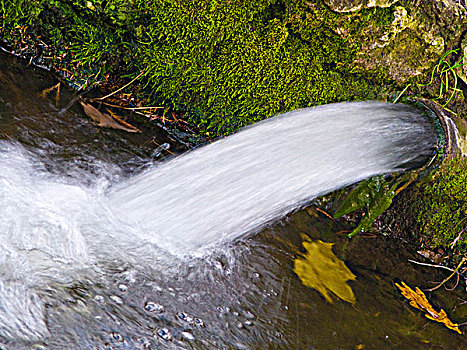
(118, 337)
(185, 317)
(249, 315)
(153, 307)
(80, 304)
(116, 300)
(145, 342)
(38, 347)
(164, 333)
(223, 310)
(199, 322)
(123, 288)
(188, 336)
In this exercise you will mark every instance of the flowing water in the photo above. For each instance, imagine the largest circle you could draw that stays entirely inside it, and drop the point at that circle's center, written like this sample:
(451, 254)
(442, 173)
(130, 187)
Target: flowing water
(103, 245)
(235, 185)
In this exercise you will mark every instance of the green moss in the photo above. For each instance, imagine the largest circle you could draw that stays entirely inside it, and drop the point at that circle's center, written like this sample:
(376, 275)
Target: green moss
(442, 211)
(226, 63)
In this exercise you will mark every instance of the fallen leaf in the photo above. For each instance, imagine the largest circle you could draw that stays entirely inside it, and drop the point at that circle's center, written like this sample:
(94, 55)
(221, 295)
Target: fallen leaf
(419, 301)
(106, 120)
(320, 269)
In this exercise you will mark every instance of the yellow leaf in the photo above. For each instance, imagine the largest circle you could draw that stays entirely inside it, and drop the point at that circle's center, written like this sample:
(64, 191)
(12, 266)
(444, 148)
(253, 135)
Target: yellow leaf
(320, 269)
(418, 300)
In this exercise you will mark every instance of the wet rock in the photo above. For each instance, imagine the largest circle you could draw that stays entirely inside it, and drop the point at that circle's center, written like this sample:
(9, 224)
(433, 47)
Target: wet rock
(249, 315)
(99, 299)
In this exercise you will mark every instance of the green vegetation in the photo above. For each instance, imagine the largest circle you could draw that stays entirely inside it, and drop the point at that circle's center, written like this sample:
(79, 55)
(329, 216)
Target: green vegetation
(224, 64)
(445, 71)
(373, 196)
(442, 210)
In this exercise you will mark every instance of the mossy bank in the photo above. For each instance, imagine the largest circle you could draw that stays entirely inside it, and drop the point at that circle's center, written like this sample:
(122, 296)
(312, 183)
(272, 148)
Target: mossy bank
(222, 65)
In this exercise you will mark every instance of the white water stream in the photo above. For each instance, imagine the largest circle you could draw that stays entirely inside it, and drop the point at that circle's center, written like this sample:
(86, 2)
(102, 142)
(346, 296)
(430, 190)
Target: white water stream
(233, 186)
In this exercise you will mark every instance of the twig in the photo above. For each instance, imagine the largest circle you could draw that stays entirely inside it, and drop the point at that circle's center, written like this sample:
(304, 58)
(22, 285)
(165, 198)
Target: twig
(159, 146)
(462, 303)
(447, 278)
(56, 87)
(118, 90)
(129, 108)
(431, 265)
(323, 212)
(455, 285)
(457, 238)
(399, 96)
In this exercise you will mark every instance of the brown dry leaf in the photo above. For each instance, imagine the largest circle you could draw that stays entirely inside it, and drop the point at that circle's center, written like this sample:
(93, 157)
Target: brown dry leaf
(419, 301)
(106, 120)
(320, 269)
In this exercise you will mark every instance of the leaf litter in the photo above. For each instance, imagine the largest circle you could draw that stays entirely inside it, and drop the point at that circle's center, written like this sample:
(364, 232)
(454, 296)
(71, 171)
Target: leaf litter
(419, 301)
(319, 268)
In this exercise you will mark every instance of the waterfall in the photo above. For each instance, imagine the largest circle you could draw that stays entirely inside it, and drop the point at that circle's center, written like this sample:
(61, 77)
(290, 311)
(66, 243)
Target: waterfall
(235, 185)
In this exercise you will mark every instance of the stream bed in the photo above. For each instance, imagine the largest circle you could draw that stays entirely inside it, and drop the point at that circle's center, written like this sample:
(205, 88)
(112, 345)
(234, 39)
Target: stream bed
(110, 290)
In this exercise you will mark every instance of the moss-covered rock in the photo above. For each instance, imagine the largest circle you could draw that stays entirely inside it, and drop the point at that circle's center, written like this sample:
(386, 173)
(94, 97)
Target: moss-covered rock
(414, 41)
(442, 207)
(228, 64)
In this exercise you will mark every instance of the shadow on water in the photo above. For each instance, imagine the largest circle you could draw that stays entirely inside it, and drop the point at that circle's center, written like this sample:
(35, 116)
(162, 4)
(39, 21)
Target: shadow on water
(133, 296)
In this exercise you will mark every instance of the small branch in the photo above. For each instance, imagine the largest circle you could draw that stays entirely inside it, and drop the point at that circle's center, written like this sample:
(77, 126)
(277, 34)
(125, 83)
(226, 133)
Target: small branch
(129, 108)
(457, 238)
(449, 277)
(455, 285)
(159, 146)
(399, 96)
(118, 90)
(324, 213)
(431, 265)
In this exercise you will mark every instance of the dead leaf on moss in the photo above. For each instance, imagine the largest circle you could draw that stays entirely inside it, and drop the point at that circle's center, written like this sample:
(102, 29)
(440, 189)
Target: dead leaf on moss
(320, 269)
(419, 301)
(106, 120)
